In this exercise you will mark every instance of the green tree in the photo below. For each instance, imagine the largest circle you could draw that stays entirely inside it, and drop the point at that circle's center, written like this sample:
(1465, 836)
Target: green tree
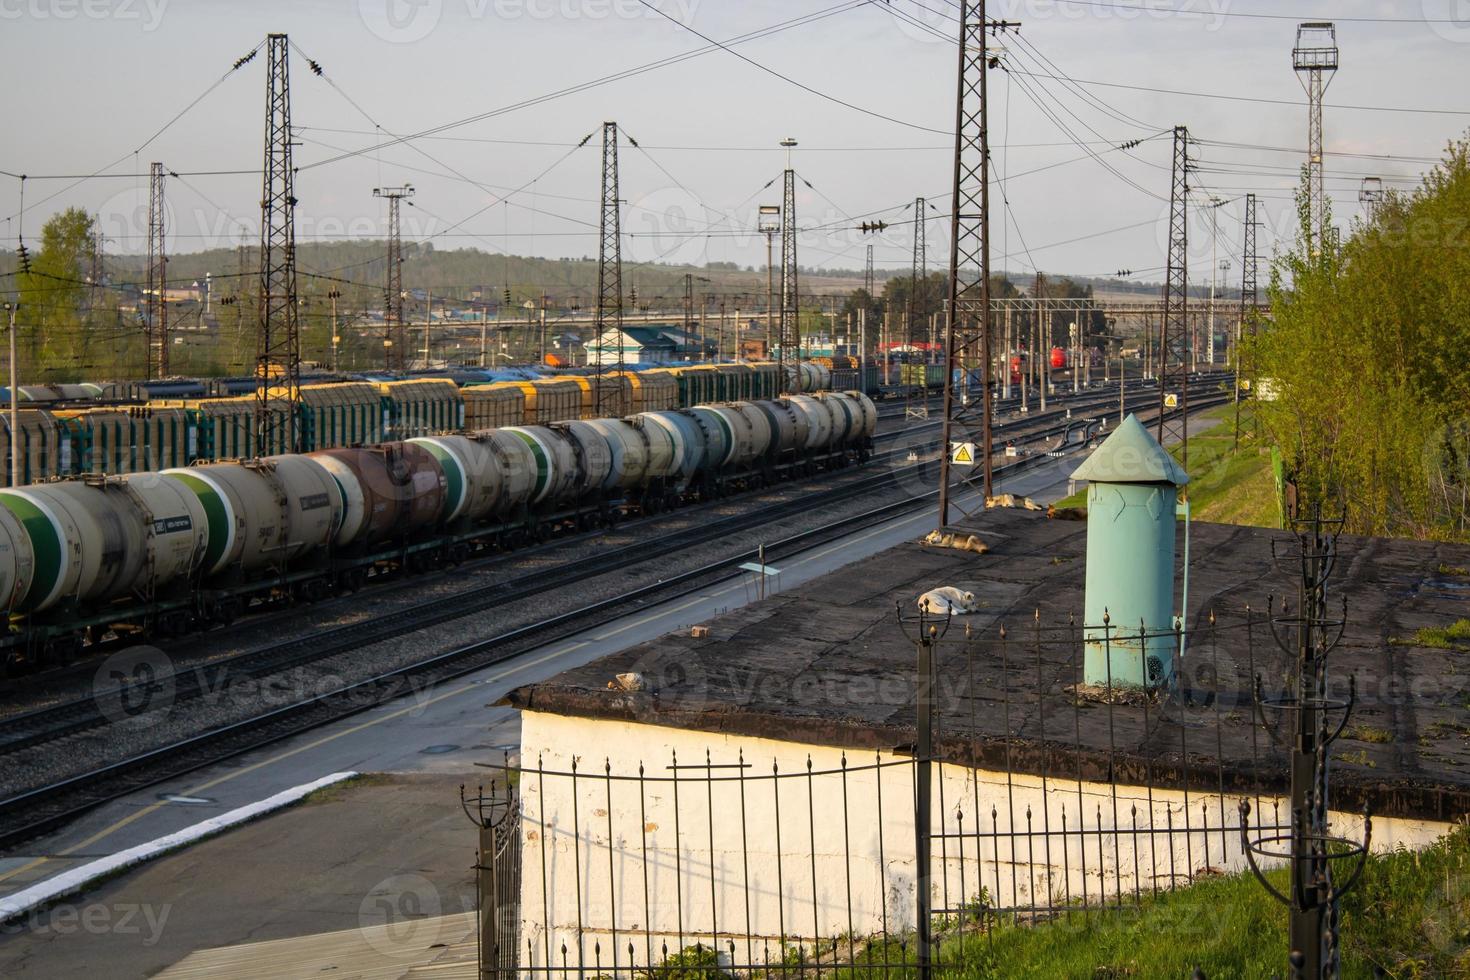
(1368, 352)
(55, 324)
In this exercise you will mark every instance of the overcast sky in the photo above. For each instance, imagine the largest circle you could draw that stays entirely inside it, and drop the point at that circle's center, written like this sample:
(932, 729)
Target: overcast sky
(91, 83)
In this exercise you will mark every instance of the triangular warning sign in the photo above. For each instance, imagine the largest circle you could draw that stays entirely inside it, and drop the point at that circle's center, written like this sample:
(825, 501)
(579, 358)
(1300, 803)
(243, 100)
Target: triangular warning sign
(963, 453)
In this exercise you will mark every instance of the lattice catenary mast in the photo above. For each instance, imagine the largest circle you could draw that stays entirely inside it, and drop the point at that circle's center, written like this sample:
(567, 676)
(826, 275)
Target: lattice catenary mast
(969, 258)
(1248, 296)
(395, 335)
(1173, 370)
(155, 325)
(790, 313)
(609, 266)
(916, 395)
(1315, 56)
(278, 348)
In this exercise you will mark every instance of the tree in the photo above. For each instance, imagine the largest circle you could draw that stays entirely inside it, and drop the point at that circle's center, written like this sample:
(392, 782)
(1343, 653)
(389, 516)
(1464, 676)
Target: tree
(53, 331)
(1368, 352)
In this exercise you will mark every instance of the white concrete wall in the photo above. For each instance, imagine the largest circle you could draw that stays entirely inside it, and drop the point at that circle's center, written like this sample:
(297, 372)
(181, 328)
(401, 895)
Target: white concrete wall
(727, 877)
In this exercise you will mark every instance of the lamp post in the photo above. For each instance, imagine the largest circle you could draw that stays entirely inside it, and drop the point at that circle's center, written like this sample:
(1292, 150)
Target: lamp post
(768, 222)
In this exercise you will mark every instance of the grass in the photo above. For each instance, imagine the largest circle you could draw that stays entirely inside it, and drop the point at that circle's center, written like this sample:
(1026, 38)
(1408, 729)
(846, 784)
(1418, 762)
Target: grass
(1227, 485)
(1367, 733)
(1455, 636)
(1408, 918)
(1447, 569)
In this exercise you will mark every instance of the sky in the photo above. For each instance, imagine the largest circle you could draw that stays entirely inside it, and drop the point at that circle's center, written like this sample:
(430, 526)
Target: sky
(98, 89)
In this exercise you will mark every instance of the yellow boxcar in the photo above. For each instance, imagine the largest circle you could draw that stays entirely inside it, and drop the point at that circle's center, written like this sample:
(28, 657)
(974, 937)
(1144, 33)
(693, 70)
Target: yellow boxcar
(654, 390)
(610, 396)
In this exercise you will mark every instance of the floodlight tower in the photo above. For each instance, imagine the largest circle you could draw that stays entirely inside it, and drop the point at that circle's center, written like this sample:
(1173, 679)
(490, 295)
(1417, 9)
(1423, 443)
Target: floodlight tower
(1315, 56)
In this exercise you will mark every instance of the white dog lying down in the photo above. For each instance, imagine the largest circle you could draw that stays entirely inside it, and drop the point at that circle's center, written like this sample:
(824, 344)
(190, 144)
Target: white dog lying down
(947, 600)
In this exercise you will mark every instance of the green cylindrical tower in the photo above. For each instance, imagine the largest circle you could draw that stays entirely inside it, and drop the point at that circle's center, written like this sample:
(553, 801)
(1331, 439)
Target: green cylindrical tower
(1132, 490)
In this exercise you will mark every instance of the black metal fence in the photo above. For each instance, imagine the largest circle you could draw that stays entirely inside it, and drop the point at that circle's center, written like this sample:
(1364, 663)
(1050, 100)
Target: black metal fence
(1048, 799)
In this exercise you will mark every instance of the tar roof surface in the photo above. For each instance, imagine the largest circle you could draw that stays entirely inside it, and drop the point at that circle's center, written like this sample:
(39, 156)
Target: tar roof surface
(828, 663)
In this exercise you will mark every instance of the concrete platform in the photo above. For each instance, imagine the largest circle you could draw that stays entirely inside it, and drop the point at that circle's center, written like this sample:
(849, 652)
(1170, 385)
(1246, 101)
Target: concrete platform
(385, 853)
(828, 663)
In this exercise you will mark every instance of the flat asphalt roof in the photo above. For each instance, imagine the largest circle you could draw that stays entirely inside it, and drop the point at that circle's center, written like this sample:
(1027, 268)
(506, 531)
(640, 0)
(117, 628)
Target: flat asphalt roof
(830, 663)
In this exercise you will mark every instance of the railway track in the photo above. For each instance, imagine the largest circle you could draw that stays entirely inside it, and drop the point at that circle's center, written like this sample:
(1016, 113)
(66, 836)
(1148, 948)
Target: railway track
(23, 730)
(44, 808)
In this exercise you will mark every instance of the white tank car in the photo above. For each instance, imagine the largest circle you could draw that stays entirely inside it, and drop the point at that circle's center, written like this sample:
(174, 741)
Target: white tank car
(593, 455)
(761, 427)
(517, 468)
(629, 448)
(717, 435)
(554, 462)
(737, 432)
(819, 422)
(664, 454)
(869, 410)
(790, 426)
(688, 442)
(95, 540)
(264, 512)
(472, 475)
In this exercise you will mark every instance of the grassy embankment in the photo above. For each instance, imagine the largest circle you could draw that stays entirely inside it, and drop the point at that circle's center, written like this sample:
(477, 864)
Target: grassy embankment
(1228, 485)
(1408, 917)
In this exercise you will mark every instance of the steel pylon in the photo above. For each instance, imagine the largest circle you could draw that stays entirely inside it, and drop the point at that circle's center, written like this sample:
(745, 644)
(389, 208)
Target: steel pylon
(278, 348)
(1173, 373)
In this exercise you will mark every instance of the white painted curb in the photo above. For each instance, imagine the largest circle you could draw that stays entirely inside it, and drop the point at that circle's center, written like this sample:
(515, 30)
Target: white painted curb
(12, 906)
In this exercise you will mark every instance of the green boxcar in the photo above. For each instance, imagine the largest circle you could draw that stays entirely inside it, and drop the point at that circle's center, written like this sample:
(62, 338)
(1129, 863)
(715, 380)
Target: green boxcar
(37, 440)
(226, 428)
(334, 416)
(421, 408)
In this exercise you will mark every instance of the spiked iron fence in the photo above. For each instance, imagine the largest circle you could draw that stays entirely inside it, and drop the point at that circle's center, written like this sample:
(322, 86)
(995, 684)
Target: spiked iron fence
(1047, 802)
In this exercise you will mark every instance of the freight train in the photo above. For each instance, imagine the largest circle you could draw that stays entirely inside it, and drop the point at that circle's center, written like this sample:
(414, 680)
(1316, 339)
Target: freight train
(167, 552)
(54, 437)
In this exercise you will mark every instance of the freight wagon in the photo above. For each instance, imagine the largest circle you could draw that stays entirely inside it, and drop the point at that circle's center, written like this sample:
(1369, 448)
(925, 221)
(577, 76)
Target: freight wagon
(182, 423)
(185, 548)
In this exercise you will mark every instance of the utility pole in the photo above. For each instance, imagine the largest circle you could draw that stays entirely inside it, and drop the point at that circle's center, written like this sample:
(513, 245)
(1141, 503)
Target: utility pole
(609, 269)
(395, 339)
(1215, 205)
(155, 325)
(868, 271)
(1315, 56)
(689, 310)
(334, 295)
(790, 302)
(1247, 297)
(969, 301)
(916, 396)
(428, 319)
(278, 350)
(768, 222)
(13, 308)
(1041, 342)
(1173, 366)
